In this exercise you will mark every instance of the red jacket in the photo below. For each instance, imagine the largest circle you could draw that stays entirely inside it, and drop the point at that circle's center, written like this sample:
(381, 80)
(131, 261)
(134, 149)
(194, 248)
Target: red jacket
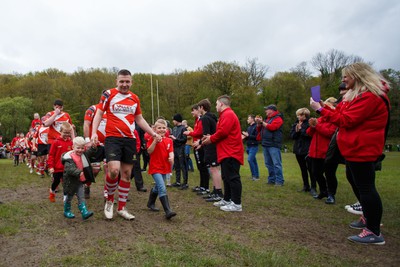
(57, 149)
(361, 122)
(321, 136)
(197, 130)
(228, 137)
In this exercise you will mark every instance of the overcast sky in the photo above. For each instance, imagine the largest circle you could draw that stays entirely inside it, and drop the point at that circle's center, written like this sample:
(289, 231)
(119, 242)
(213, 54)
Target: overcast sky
(161, 36)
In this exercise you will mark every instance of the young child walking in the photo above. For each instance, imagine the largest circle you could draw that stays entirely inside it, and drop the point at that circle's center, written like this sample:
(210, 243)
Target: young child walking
(61, 145)
(16, 152)
(161, 160)
(77, 172)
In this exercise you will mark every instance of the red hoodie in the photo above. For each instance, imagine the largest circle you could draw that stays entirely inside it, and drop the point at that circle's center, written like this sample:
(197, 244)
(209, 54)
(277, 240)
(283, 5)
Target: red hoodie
(228, 137)
(57, 149)
(361, 122)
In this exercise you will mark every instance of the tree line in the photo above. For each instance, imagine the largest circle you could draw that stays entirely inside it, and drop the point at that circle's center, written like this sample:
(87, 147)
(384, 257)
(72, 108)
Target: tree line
(21, 95)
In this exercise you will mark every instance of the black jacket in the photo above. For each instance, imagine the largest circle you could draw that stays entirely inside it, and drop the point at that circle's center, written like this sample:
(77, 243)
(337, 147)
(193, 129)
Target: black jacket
(302, 141)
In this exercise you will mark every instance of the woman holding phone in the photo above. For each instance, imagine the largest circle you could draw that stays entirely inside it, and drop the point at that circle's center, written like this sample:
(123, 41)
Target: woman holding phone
(362, 119)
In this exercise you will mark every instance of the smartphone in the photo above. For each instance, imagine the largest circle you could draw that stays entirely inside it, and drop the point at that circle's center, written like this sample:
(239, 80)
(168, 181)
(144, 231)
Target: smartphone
(316, 93)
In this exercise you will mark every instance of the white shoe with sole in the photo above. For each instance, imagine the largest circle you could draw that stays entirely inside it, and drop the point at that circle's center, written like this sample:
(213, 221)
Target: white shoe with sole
(232, 207)
(221, 203)
(109, 210)
(125, 214)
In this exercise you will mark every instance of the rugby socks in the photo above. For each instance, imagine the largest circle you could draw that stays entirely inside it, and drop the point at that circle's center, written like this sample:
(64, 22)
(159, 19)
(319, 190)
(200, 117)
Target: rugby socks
(123, 192)
(111, 186)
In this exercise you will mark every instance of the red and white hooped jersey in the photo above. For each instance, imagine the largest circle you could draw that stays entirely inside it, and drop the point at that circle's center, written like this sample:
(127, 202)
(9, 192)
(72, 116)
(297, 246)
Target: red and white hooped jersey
(101, 130)
(22, 142)
(55, 127)
(41, 135)
(121, 110)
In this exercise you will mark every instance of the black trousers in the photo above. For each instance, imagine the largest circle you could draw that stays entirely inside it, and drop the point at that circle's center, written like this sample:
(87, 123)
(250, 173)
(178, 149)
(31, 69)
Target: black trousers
(317, 170)
(363, 175)
(230, 172)
(180, 164)
(137, 173)
(305, 170)
(202, 167)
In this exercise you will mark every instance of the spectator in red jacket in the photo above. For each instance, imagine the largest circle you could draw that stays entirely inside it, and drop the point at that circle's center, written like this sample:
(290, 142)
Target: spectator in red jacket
(230, 154)
(321, 132)
(362, 120)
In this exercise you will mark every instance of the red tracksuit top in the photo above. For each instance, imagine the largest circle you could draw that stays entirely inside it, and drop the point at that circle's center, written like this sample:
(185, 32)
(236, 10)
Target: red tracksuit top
(57, 149)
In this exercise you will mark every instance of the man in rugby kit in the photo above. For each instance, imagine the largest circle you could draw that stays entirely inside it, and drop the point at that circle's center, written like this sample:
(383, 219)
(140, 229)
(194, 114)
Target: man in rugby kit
(123, 110)
(40, 145)
(54, 120)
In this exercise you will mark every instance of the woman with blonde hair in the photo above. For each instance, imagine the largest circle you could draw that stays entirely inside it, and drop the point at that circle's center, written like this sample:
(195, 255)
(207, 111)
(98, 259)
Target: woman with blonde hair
(362, 121)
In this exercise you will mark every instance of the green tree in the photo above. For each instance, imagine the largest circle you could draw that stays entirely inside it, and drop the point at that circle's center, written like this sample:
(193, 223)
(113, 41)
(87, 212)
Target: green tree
(15, 115)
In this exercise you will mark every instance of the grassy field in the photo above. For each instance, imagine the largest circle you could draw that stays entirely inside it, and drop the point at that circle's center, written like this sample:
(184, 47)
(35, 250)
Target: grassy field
(278, 226)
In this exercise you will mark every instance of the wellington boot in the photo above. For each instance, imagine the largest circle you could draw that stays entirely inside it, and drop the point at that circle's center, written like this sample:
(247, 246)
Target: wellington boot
(52, 196)
(85, 213)
(165, 203)
(67, 211)
(152, 201)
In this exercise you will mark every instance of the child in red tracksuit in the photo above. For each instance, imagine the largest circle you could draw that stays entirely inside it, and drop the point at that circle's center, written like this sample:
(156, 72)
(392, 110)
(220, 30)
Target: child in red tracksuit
(58, 148)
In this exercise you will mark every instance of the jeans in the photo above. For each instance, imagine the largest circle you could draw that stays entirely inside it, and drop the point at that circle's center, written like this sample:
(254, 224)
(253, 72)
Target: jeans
(273, 162)
(160, 184)
(252, 152)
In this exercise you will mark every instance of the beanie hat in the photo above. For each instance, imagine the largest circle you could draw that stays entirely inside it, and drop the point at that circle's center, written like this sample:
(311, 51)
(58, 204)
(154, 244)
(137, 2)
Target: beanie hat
(177, 117)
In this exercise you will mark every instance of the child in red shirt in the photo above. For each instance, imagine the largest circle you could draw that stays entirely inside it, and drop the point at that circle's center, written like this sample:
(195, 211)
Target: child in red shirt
(58, 148)
(161, 153)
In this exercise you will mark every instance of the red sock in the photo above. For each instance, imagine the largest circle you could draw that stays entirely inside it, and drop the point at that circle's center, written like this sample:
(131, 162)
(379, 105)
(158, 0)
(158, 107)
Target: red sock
(123, 192)
(111, 186)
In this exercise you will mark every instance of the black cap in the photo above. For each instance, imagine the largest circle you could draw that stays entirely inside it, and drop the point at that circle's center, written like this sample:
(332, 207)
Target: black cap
(58, 102)
(272, 107)
(177, 117)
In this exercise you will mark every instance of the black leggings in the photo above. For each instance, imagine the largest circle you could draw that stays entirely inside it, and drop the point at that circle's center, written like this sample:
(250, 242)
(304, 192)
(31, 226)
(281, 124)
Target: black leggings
(305, 170)
(363, 176)
(57, 176)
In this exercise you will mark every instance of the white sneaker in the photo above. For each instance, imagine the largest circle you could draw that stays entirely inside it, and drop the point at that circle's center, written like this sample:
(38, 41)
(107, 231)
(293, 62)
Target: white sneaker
(125, 214)
(232, 207)
(30, 170)
(109, 209)
(221, 203)
(352, 205)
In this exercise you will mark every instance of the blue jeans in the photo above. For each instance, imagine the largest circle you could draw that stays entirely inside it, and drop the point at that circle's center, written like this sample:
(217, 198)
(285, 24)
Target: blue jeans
(273, 162)
(160, 184)
(252, 152)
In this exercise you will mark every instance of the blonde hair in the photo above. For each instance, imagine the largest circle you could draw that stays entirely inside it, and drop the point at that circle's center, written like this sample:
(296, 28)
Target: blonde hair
(79, 141)
(330, 101)
(303, 111)
(366, 79)
(66, 126)
(161, 121)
